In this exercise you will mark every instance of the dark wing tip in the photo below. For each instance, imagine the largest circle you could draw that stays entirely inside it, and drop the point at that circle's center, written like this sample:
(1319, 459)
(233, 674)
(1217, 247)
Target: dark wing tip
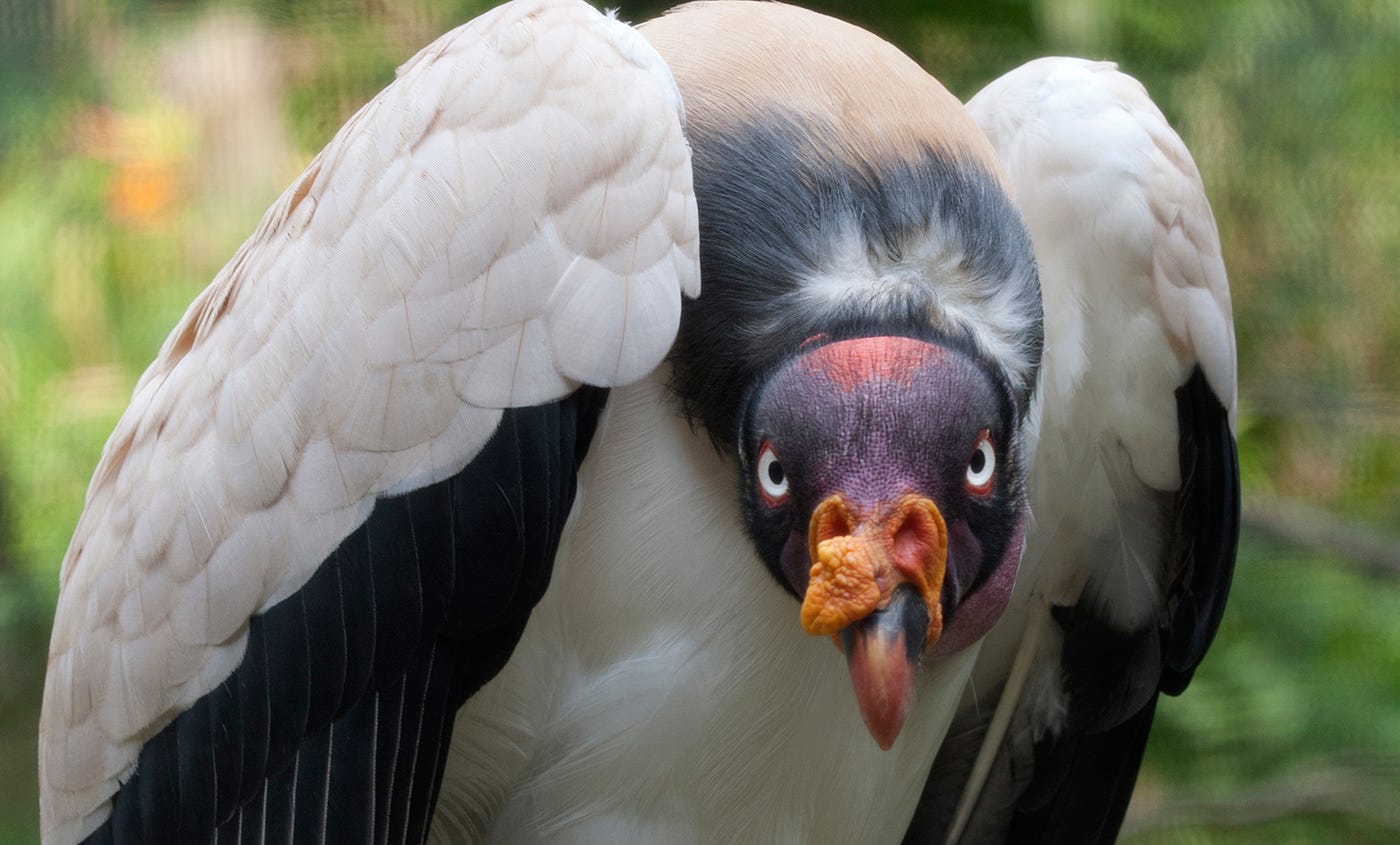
(335, 725)
(1207, 530)
(1085, 777)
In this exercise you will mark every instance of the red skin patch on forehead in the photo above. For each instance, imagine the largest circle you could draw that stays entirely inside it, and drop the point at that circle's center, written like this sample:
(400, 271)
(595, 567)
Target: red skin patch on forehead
(850, 363)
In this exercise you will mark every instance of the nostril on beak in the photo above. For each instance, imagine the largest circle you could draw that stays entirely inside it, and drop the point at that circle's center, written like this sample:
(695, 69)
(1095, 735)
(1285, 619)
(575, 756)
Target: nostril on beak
(832, 519)
(913, 534)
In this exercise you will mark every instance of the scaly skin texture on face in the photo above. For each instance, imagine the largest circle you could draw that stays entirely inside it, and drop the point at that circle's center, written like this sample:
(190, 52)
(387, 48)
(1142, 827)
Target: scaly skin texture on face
(871, 438)
(862, 497)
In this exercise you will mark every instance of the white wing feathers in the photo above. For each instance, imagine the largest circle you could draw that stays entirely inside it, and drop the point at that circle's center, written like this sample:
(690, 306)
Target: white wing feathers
(1135, 296)
(1093, 160)
(1134, 290)
(510, 218)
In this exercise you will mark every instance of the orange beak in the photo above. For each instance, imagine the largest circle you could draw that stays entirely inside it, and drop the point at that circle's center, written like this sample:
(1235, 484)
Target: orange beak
(876, 581)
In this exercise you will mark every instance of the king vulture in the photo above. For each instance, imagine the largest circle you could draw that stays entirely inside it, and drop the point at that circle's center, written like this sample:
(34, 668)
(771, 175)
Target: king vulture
(634, 435)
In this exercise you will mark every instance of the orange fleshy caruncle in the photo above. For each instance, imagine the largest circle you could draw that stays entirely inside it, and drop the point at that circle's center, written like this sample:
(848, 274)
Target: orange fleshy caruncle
(857, 563)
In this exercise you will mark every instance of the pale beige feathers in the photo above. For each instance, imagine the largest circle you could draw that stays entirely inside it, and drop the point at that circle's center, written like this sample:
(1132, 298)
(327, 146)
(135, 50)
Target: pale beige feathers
(744, 71)
(510, 218)
(1135, 297)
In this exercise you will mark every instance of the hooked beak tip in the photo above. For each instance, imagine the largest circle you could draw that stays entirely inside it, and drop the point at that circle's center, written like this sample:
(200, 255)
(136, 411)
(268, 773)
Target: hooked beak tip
(882, 654)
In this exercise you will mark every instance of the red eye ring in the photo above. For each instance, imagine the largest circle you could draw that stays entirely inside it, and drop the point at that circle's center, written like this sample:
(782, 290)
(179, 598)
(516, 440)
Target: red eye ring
(981, 467)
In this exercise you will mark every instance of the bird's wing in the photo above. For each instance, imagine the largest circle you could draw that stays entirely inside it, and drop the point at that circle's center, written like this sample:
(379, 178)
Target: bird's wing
(1134, 493)
(328, 510)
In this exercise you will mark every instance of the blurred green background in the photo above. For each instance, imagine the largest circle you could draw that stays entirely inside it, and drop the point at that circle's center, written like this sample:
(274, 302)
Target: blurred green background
(140, 142)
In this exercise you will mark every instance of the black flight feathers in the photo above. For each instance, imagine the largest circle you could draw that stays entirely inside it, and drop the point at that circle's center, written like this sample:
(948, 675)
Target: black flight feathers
(335, 726)
(1075, 788)
(1085, 777)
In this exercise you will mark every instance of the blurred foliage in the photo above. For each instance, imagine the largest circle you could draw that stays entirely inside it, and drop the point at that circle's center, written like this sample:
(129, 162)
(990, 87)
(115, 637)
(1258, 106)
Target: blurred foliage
(142, 140)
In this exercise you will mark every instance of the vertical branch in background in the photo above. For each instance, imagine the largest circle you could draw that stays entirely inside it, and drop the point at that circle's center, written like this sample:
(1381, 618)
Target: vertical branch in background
(6, 530)
(1074, 26)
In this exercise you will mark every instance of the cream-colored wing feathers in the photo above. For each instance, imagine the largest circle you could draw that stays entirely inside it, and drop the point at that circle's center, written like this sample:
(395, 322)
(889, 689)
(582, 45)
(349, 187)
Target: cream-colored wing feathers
(1135, 296)
(510, 218)
(1100, 175)
(1134, 291)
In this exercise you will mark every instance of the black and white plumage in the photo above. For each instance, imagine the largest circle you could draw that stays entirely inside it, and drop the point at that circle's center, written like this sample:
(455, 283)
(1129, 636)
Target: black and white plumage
(377, 555)
(1135, 485)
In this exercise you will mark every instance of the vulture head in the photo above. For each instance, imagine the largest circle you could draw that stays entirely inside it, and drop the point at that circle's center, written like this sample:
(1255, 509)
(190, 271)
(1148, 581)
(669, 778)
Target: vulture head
(866, 339)
(879, 488)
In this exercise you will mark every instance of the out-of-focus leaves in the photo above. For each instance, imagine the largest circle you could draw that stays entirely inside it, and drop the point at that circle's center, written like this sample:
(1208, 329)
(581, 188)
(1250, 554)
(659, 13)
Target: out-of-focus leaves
(1304, 675)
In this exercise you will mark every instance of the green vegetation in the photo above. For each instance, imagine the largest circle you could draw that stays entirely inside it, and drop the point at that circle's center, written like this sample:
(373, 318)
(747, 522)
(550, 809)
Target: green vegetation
(141, 142)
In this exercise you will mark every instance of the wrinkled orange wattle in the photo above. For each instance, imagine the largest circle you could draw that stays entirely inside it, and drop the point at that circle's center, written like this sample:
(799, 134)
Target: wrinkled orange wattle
(857, 563)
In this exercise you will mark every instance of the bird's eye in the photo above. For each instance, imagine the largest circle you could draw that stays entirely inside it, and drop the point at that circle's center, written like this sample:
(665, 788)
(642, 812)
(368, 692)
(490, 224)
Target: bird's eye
(772, 481)
(981, 466)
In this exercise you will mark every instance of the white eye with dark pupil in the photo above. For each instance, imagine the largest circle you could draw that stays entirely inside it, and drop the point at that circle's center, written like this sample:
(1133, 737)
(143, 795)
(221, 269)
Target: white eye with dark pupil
(772, 480)
(981, 466)
(979, 461)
